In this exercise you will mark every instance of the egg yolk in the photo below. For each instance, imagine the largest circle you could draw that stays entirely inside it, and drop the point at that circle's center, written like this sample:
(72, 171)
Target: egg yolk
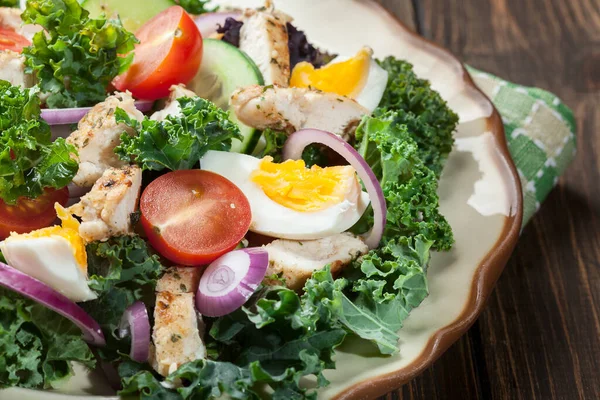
(294, 186)
(69, 231)
(346, 78)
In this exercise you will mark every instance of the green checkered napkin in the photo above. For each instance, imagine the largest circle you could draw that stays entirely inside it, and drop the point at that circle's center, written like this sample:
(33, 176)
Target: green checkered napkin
(540, 131)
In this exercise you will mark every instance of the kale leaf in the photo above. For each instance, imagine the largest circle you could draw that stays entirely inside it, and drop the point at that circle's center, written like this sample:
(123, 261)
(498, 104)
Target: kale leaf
(75, 57)
(36, 344)
(430, 121)
(409, 186)
(386, 284)
(29, 160)
(178, 141)
(196, 7)
(121, 271)
(274, 141)
(9, 3)
(277, 339)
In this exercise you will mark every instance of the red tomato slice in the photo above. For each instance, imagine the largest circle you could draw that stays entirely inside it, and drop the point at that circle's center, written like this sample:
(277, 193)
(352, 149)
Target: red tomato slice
(169, 53)
(30, 214)
(11, 40)
(192, 217)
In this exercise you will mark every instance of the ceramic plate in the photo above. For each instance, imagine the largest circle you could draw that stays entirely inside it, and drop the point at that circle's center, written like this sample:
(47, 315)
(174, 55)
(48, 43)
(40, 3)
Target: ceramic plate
(479, 191)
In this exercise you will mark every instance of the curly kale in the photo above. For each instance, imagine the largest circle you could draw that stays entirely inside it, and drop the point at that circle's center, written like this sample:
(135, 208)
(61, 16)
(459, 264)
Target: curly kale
(37, 345)
(427, 116)
(121, 271)
(29, 160)
(75, 57)
(276, 339)
(409, 186)
(274, 141)
(178, 141)
(196, 7)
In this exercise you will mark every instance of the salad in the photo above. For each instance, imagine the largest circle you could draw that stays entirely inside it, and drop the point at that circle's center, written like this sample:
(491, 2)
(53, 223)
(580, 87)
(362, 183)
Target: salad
(201, 203)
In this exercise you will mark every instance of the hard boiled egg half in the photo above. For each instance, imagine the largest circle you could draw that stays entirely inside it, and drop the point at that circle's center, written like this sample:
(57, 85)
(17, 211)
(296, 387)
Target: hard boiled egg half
(55, 256)
(358, 77)
(290, 201)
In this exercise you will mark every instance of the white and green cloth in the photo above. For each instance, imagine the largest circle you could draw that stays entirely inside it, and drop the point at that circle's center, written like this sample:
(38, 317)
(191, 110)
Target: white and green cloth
(540, 131)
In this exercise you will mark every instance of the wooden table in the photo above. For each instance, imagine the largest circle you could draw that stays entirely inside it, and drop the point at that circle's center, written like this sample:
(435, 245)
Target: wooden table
(539, 337)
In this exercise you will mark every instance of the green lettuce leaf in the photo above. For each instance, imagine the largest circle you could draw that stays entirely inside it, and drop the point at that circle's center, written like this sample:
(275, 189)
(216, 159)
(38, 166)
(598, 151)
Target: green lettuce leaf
(9, 3)
(36, 344)
(409, 186)
(179, 141)
(75, 57)
(121, 271)
(29, 160)
(430, 121)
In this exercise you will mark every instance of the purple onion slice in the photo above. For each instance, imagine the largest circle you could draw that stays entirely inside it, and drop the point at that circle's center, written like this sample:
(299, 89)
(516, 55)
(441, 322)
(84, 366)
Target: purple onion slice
(293, 148)
(230, 280)
(135, 322)
(33, 289)
(63, 116)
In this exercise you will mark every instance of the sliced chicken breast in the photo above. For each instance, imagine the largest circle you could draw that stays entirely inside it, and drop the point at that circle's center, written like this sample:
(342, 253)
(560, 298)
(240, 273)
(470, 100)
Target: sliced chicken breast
(172, 106)
(180, 280)
(98, 134)
(12, 69)
(264, 38)
(105, 211)
(178, 328)
(297, 260)
(10, 18)
(291, 109)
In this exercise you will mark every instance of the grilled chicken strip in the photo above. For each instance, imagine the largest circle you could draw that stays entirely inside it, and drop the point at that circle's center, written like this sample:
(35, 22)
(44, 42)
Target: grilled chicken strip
(180, 280)
(105, 211)
(12, 69)
(264, 38)
(297, 260)
(97, 136)
(172, 106)
(178, 329)
(291, 109)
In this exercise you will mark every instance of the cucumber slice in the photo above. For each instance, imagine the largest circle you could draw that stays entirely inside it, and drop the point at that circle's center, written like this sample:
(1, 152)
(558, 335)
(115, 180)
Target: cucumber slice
(225, 68)
(133, 13)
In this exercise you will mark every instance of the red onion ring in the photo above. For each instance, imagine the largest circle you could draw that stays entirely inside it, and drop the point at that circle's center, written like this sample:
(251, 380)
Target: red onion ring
(293, 148)
(29, 287)
(63, 116)
(135, 322)
(230, 280)
(208, 23)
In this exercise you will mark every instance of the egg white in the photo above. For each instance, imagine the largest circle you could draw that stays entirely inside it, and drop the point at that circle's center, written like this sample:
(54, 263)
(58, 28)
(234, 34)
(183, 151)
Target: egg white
(372, 92)
(271, 218)
(50, 260)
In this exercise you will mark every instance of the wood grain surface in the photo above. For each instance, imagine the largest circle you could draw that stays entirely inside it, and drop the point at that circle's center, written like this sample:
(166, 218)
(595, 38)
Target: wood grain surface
(539, 337)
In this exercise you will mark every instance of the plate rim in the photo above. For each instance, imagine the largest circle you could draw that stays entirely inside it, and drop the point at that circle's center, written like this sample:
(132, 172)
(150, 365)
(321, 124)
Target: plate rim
(484, 278)
(486, 274)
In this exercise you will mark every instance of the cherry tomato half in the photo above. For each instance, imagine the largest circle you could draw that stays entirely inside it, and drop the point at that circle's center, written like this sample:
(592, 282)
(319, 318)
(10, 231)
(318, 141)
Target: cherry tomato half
(11, 40)
(192, 217)
(30, 214)
(169, 53)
